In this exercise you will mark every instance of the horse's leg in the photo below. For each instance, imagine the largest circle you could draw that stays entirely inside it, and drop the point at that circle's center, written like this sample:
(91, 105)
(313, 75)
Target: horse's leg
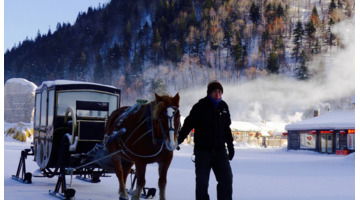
(163, 169)
(116, 160)
(140, 174)
(126, 165)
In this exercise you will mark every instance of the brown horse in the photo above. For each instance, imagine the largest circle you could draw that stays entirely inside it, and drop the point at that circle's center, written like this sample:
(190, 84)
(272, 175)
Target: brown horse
(151, 136)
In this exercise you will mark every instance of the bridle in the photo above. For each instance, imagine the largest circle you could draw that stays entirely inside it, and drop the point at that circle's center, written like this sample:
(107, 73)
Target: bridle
(170, 119)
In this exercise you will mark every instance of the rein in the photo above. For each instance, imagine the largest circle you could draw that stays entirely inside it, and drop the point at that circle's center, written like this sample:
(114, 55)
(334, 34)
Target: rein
(150, 130)
(147, 132)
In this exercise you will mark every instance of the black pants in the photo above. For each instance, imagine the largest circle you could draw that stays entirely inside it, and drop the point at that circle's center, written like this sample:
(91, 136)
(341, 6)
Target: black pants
(219, 163)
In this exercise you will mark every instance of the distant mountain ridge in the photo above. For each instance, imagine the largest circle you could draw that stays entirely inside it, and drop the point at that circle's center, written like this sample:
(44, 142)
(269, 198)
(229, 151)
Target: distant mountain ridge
(143, 46)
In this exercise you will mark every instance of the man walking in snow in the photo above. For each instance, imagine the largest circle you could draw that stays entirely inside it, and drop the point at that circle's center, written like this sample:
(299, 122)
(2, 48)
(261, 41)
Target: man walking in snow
(210, 118)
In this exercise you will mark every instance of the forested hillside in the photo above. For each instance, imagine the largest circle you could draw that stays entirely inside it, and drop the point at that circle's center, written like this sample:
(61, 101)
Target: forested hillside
(144, 46)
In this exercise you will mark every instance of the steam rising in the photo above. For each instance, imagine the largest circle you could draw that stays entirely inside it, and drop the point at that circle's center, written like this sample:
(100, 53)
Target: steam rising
(279, 98)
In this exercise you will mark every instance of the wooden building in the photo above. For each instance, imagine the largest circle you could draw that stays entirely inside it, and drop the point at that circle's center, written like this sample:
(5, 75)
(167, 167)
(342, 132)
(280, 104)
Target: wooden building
(332, 132)
(244, 131)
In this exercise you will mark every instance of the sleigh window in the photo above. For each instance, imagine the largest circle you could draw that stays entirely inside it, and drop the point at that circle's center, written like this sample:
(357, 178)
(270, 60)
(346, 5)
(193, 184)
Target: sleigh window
(69, 98)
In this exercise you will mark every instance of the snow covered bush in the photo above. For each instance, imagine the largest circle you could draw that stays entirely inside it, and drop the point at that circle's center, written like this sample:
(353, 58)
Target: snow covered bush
(19, 131)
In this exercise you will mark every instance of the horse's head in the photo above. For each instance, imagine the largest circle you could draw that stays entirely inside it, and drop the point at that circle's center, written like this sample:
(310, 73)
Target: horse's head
(167, 114)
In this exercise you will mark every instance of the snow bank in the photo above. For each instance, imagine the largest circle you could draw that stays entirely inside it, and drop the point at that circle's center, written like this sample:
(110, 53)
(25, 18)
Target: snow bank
(258, 174)
(19, 100)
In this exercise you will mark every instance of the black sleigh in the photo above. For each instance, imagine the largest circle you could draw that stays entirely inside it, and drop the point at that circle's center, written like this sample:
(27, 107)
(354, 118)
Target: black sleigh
(69, 123)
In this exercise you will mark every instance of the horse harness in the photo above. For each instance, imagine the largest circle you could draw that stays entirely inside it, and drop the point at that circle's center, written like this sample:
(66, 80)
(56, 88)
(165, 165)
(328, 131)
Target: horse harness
(123, 147)
(150, 129)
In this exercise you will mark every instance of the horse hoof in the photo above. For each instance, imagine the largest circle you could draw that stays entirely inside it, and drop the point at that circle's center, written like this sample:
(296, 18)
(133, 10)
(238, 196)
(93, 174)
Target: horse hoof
(121, 198)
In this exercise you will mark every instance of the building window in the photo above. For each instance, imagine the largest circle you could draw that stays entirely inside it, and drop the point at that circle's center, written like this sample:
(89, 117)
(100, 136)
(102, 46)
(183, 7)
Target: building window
(351, 141)
(307, 141)
(246, 136)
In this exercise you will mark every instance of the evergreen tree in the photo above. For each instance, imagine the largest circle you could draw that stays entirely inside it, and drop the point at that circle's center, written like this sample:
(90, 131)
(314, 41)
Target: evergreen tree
(99, 70)
(348, 9)
(330, 35)
(113, 57)
(302, 71)
(332, 6)
(255, 15)
(297, 40)
(192, 21)
(314, 17)
(270, 13)
(209, 4)
(339, 4)
(157, 37)
(197, 50)
(156, 46)
(238, 53)
(80, 67)
(314, 11)
(279, 47)
(127, 41)
(136, 64)
(273, 63)
(173, 51)
(142, 53)
(280, 12)
(229, 32)
(146, 30)
(228, 36)
(310, 33)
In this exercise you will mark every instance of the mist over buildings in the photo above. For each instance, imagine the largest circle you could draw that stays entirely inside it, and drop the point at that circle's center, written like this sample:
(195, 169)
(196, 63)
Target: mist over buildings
(286, 99)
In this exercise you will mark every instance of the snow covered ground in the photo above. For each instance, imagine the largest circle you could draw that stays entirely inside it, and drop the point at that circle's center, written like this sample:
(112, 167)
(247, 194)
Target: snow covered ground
(273, 173)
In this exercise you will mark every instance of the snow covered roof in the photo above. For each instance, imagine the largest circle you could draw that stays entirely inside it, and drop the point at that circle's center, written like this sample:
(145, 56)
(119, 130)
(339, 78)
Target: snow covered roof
(264, 133)
(274, 127)
(332, 120)
(69, 82)
(19, 85)
(244, 126)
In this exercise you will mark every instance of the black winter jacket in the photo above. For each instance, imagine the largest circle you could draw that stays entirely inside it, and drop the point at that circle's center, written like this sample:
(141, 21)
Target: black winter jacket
(212, 126)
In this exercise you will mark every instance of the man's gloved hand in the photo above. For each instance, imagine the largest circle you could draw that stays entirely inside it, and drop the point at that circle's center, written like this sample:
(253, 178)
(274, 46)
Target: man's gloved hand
(231, 152)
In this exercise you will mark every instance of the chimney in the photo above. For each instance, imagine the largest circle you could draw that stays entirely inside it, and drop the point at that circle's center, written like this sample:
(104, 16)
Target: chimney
(316, 113)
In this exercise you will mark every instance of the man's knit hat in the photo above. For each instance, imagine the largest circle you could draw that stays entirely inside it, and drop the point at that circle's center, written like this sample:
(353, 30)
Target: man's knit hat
(213, 85)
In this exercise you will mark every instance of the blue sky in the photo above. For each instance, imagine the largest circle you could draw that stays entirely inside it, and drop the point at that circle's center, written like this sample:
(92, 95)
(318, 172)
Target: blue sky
(24, 18)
